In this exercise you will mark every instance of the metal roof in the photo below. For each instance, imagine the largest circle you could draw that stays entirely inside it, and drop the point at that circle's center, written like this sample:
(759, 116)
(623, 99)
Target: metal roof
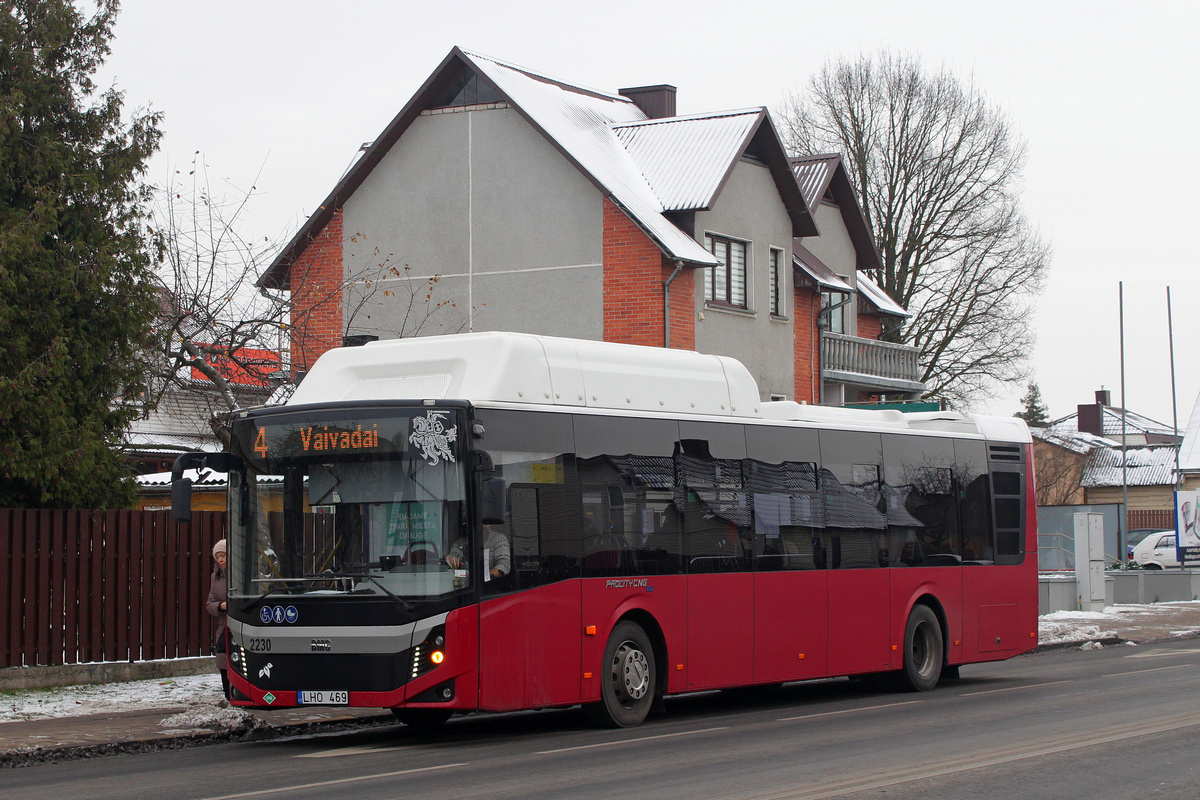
(1111, 423)
(880, 299)
(1075, 441)
(686, 160)
(825, 175)
(812, 266)
(1147, 466)
(813, 173)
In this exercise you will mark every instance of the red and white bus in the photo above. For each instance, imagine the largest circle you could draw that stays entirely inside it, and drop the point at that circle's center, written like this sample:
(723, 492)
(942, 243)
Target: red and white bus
(499, 521)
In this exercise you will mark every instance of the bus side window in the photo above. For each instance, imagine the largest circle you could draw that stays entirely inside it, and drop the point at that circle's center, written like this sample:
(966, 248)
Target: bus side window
(1008, 514)
(526, 538)
(543, 525)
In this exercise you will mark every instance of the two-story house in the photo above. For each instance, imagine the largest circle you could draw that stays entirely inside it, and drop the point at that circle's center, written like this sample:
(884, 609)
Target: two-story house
(502, 199)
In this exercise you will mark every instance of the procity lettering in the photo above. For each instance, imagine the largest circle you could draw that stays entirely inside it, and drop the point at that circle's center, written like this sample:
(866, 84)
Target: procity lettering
(626, 583)
(326, 439)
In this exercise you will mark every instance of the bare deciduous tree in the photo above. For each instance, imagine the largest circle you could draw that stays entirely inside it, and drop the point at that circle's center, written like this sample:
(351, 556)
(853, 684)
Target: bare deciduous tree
(937, 169)
(213, 318)
(1059, 474)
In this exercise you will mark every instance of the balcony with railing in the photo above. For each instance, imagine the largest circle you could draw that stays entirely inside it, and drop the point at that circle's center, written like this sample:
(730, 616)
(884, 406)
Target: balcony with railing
(869, 364)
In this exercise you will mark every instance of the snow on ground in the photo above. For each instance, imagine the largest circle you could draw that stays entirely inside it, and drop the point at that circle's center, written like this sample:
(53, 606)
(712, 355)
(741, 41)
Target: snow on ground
(196, 692)
(1081, 626)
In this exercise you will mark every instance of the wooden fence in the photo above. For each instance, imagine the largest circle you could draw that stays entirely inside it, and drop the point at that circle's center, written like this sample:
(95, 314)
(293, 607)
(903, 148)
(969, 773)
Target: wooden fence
(102, 586)
(1151, 518)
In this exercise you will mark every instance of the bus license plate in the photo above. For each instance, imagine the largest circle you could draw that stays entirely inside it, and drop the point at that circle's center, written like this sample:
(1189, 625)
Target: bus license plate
(323, 698)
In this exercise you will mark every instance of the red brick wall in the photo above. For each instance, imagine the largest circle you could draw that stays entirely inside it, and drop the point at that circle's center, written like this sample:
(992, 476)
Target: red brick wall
(807, 304)
(315, 279)
(869, 326)
(634, 273)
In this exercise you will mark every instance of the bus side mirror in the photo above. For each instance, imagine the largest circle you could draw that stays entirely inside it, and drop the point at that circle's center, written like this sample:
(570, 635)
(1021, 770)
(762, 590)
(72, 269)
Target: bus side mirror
(181, 487)
(181, 500)
(491, 501)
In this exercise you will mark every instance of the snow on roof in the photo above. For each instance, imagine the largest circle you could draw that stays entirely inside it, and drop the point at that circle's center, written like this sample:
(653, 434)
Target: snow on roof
(166, 443)
(709, 143)
(180, 421)
(880, 299)
(1147, 466)
(1075, 441)
(581, 123)
(207, 479)
(1111, 423)
(816, 269)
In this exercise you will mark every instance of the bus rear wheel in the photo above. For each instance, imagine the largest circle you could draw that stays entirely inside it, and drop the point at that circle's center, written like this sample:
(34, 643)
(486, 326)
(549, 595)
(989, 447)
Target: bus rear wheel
(628, 679)
(923, 651)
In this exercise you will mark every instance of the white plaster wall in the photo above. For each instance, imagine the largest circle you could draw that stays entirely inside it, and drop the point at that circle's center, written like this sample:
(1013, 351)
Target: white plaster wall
(836, 250)
(750, 209)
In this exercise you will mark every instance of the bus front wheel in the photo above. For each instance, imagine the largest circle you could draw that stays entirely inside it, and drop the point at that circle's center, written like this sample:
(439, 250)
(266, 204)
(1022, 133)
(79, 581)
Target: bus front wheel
(628, 679)
(923, 650)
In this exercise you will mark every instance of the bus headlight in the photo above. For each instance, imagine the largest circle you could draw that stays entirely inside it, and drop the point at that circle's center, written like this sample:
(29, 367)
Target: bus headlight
(429, 653)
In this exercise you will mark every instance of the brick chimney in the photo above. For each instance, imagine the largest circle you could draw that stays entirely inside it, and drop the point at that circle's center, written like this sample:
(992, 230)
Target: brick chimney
(1091, 417)
(656, 102)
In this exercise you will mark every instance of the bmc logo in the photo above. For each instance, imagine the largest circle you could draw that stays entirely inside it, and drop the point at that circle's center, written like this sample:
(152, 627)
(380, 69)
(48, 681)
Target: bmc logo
(321, 645)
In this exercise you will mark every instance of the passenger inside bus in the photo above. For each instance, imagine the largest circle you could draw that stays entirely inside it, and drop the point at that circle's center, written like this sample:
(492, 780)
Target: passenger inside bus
(497, 553)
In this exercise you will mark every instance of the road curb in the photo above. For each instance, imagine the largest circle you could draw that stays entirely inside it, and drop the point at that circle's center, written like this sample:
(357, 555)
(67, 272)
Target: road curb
(265, 731)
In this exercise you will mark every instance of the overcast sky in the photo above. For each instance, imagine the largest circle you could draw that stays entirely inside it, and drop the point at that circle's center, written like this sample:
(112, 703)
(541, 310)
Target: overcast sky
(1105, 94)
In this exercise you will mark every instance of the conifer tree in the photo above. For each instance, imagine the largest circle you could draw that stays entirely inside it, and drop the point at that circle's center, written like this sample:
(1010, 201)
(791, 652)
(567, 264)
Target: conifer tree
(75, 299)
(1033, 410)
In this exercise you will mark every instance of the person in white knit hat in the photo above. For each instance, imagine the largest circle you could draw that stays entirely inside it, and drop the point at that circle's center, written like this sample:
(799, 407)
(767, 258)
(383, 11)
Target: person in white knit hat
(217, 596)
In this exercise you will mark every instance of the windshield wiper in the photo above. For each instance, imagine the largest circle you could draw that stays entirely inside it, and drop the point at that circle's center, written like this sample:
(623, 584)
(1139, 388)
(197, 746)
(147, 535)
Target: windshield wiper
(331, 575)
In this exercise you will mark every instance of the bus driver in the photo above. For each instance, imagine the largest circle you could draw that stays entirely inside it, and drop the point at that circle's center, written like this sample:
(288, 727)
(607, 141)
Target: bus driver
(497, 553)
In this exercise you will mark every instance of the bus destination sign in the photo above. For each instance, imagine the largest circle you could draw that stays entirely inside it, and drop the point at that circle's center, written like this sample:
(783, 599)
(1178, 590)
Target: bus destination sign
(322, 439)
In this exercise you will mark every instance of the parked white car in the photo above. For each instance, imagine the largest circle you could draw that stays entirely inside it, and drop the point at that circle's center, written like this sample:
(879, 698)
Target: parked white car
(1157, 551)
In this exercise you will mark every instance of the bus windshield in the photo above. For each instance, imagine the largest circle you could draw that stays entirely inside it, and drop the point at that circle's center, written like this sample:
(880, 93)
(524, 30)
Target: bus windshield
(370, 521)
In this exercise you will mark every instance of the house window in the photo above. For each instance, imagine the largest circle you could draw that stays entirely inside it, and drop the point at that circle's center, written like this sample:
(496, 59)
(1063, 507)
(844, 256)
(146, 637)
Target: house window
(776, 282)
(835, 315)
(726, 282)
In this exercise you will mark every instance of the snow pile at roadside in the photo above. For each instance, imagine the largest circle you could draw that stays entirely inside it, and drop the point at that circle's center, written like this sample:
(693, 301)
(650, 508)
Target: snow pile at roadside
(205, 716)
(1069, 626)
(71, 701)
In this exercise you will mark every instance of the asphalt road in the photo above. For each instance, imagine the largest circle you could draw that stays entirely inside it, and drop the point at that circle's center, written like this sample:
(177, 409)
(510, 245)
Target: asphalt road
(1122, 722)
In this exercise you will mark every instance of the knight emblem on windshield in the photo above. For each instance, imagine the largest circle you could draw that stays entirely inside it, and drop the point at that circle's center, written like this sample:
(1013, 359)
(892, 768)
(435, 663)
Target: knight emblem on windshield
(431, 436)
